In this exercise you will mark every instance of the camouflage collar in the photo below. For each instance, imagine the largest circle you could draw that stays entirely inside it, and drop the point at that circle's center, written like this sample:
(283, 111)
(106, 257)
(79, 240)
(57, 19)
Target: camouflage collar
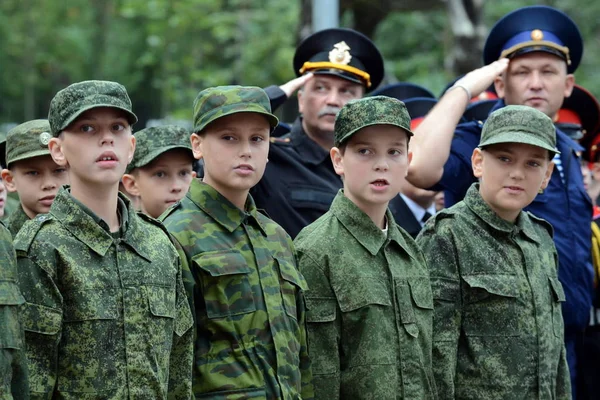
(91, 230)
(310, 152)
(222, 210)
(16, 220)
(479, 207)
(362, 228)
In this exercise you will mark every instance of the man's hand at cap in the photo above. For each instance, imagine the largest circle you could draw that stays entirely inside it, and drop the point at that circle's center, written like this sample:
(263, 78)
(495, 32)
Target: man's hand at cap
(292, 86)
(478, 80)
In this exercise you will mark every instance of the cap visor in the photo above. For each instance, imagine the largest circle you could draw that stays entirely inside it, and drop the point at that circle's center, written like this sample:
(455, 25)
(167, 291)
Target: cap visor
(132, 118)
(31, 154)
(273, 120)
(349, 134)
(156, 153)
(519, 137)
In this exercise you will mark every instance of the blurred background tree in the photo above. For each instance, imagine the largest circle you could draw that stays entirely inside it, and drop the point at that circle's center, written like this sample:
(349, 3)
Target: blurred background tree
(165, 51)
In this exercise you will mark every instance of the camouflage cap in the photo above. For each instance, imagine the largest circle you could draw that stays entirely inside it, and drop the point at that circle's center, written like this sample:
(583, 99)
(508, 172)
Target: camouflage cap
(216, 102)
(519, 124)
(375, 110)
(28, 140)
(152, 142)
(71, 102)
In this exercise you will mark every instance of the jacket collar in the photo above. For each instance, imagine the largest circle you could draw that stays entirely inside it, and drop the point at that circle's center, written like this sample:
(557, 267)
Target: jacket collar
(308, 149)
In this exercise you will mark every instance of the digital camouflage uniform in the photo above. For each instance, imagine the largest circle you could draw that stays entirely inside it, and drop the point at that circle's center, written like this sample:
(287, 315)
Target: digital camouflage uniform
(106, 314)
(498, 327)
(248, 294)
(25, 141)
(13, 365)
(369, 299)
(152, 142)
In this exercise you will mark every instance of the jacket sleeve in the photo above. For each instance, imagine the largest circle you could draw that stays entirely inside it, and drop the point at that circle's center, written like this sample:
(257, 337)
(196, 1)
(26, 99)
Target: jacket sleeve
(323, 329)
(440, 254)
(42, 321)
(182, 352)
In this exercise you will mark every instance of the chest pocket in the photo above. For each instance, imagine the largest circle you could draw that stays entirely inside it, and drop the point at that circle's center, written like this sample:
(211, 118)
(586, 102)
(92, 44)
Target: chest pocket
(292, 284)
(491, 305)
(225, 283)
(558, 297)
(414, 296)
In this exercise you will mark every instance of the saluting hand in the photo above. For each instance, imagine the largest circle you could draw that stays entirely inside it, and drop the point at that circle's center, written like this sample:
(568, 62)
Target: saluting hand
(480, 79)
(292, 86)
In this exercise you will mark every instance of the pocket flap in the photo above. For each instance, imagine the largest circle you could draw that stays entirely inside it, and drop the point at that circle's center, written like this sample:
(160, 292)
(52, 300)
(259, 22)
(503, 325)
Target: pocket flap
(370, 291)
(218, 263)
(291, 274)
(557, 289)
(498, 284)
(420, 288)
(10, 294)
(185, 320)
(320, 310)
(90, 304)
(161, 301)
(41, 319)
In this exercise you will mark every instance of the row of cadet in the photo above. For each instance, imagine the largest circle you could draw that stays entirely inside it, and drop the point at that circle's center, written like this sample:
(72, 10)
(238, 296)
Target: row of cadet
(101, 291)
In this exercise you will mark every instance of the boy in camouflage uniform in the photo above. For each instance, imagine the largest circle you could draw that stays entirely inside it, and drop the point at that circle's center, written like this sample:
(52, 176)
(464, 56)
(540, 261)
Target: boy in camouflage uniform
(161, 170)
(498, 327)
(250, 313)
(370, 303)
(13, 365)
(106, 315)
(31, 172)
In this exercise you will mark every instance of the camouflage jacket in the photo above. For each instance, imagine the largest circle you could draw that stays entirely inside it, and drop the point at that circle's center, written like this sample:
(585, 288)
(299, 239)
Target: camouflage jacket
(16, 220)
(107, 315)
(370, 307)
(13, 365)
(498, 327)
(249, 306)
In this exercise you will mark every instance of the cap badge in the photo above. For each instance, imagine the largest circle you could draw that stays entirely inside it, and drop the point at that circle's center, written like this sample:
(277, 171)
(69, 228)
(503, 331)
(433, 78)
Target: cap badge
(340, 54)
(45, 138)
(536, 34)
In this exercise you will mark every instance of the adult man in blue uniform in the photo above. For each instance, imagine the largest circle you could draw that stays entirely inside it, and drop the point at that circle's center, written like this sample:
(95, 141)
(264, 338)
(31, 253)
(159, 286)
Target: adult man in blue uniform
(299, 183)
(537, 50)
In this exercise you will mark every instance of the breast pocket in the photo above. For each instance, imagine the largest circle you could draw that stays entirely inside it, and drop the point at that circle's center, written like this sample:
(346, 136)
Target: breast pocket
(225, 284)
(491, 305)
(90, 341)
(558, 297)
(415, 299)
(292, 285)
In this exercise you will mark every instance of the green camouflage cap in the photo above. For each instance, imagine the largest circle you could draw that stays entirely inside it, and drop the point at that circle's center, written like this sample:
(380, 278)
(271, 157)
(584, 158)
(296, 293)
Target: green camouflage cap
(375, 110)
(519, 124)
(152, 142)
(28, 140)
(216, 102)
(71, 102)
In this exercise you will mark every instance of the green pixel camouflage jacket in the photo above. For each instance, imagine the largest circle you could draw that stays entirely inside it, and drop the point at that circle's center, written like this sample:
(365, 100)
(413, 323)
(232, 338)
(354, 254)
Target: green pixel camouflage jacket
(370, 307)
(13, 365)
(107, 315)
(248, 295)
(498, 327)
(16, 220)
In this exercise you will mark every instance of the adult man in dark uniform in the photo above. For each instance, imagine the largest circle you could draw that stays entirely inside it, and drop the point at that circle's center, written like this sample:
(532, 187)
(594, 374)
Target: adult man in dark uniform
(299, 183)
(538, 49)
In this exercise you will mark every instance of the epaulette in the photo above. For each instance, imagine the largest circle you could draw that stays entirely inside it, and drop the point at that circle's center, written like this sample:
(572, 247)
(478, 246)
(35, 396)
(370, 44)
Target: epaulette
(29, 231)
(281, 140)
(542, 222)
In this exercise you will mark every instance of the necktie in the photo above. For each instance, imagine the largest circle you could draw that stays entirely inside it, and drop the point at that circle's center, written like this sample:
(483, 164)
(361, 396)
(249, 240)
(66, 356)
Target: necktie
(426, 216)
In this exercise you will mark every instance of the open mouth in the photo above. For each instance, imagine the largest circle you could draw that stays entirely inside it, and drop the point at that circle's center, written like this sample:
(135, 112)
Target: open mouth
(380, 182)
(107, 156)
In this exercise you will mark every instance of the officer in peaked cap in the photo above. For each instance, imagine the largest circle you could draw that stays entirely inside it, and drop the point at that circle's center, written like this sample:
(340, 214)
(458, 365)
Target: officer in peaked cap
(333, 67)
(531, 55)
(404, 91)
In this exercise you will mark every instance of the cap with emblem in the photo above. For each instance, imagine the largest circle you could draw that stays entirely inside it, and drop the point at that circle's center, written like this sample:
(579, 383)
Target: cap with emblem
(340, 52)
(74, 100)
(368, 111)
(217, 102)
(403, 91)
(152, 142)
(519, 124)
(28, 140)
(535, 28)
(579, 116)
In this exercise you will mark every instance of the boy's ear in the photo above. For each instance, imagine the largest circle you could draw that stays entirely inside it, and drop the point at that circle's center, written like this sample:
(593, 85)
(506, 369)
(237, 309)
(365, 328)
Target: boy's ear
(55, 147)
(132, 149)
(8, 180)
(338, 160)
(548, 175)
(130, 184)
(196, 141)
(477, 162)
